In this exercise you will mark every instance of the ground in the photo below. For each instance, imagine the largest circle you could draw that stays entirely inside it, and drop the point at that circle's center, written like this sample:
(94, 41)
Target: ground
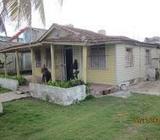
(107, 118)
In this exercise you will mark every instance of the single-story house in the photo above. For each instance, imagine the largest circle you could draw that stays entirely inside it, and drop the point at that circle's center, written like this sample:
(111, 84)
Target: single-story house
(25, 61)
(101, 59)
(25, 35)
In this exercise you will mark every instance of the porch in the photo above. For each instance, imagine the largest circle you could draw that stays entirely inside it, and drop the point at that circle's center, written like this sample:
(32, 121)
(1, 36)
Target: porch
(59, 60)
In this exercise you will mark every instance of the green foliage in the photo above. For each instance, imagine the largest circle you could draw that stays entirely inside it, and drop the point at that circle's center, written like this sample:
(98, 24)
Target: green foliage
(21, 80)
(66, 84)
(89, 97)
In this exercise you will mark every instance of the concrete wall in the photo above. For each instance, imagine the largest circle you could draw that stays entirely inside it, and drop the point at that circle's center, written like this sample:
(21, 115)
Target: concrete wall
(106, 76)
(139, 68)
(9, 83)
(58, 95)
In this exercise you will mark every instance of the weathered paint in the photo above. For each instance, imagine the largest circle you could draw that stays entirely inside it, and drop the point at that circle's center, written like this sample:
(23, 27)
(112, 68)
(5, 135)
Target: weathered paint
(108, 75)
(59, 61)
(36, 71)
(84, 62)
(139, 69)
(52, 48)
(17, 64)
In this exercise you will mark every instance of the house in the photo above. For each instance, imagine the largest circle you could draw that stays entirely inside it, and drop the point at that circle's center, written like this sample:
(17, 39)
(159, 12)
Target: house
(101, 59)
(10, 58)
(5, 38)
(25, 35)
(155, 39)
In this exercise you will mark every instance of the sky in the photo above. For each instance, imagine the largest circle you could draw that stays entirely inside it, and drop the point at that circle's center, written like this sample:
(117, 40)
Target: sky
(132, 18)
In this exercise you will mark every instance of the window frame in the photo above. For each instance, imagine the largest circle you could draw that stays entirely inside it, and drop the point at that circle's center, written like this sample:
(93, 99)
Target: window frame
(148, 61)
(129, 57)
(38, 56)
(97, 55)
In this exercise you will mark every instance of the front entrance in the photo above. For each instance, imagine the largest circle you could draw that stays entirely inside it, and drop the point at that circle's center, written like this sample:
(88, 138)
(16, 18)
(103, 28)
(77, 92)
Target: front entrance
(69, 63)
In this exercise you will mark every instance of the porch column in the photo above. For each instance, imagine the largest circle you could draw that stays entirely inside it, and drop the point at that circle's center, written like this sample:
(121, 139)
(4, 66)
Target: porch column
(17, 64)
(52, 48)
(32, 63)
(5, 65)
(84, 62)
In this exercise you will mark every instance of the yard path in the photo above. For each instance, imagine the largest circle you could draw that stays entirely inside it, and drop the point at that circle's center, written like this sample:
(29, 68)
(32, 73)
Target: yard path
(147, 87)
(10, 96)
(121, 94)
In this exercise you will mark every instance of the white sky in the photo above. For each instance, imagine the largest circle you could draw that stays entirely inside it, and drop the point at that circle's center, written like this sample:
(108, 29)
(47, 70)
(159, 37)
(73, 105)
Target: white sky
(133, 18)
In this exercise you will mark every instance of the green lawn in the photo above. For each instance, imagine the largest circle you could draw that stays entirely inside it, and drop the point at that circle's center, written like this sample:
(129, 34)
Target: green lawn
(4, 90)
(107, 118)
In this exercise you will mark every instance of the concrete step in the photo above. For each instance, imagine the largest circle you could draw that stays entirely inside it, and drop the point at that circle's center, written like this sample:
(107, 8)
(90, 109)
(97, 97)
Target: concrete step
(102, 89)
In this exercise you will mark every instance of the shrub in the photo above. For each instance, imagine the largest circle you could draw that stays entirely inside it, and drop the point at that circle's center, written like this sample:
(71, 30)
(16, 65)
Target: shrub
(89, 97)
(21, 80)
(66, 84)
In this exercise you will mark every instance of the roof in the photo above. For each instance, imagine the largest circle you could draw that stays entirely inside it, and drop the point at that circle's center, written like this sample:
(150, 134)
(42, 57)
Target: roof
(81, 35)
(76, 36)
(41, 31)
(6, 44)
(155, 39)
(4, 38)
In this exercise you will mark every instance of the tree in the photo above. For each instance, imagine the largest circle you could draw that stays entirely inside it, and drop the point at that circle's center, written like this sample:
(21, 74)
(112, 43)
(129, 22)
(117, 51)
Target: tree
(20, 11)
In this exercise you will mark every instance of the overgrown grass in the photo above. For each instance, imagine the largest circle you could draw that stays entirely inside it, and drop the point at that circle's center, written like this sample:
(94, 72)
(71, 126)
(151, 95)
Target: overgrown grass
(107, 118)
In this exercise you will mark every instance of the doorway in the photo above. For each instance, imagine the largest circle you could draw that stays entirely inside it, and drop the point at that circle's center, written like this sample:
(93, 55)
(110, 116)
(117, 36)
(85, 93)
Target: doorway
(69, 63)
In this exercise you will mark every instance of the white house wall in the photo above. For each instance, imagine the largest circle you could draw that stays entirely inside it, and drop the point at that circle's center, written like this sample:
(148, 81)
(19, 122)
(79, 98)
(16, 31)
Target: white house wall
(139, 69)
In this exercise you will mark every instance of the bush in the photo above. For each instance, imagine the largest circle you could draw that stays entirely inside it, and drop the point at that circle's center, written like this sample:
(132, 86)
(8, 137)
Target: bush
(89, 97)
(21, 80)
(66, 84)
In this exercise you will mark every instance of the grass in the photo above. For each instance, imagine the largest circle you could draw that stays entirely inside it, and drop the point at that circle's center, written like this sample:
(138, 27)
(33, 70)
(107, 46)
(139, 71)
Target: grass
(107, 118)
(4, 90)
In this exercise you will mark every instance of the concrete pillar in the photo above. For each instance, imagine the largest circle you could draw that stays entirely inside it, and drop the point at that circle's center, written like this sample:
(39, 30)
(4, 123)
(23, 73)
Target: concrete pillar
(17, 64)
(5, 65)
(33, 64)
(53, 72)
(84, 63)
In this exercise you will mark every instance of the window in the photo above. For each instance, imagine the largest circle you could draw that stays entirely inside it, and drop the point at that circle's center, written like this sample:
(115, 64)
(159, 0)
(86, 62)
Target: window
(148, 57)
(97, 57)
(48, 58)
(129, 57)
(38, 58)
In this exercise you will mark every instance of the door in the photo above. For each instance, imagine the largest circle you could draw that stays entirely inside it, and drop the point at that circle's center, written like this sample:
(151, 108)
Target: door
(69, 63)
